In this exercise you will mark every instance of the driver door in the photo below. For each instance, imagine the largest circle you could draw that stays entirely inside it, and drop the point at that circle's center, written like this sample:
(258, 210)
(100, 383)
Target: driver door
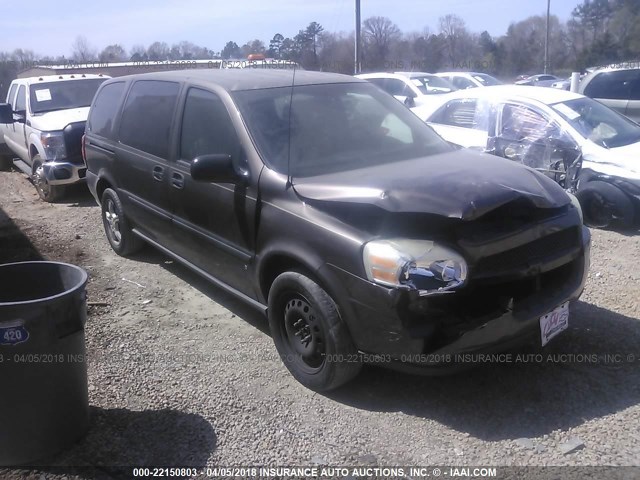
(529, 136)
(15, 135)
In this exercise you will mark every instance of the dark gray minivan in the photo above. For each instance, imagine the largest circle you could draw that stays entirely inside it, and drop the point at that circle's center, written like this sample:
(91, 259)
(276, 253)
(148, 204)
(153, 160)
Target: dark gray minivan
(324, 202)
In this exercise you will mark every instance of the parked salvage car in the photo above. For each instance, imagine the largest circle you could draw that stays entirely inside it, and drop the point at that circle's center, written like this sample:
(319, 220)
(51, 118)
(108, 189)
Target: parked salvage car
(414, 89)
(43, 126)
(583, 145)
(324, 202)
(617, 86)
(539, 80)
(462, 80)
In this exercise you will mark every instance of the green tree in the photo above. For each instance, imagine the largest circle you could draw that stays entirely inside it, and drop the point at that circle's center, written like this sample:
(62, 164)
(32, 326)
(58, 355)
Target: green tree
(230, 50)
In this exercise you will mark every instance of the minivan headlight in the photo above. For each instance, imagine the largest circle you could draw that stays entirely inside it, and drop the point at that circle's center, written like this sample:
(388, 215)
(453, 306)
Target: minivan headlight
(54, 147)
(421, 264)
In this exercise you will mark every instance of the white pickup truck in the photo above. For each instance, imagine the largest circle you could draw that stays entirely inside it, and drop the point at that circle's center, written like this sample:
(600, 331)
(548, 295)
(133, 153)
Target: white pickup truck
(41, 128)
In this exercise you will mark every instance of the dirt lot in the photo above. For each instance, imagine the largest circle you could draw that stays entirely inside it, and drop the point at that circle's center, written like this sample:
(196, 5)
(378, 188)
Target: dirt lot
(182, 374)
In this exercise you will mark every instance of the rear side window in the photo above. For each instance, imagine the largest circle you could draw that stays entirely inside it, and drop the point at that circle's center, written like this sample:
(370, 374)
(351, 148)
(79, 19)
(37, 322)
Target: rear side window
(459, 113)
(147, 116)
(206, 127)
(21, 100)
(612, 85)
(12, 93)
(104, 109)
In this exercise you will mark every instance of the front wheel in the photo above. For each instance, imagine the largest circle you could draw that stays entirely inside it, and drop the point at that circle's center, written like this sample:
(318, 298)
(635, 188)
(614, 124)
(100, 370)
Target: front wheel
(603, 204)
(311, 338)
(122, 240)
(46, 191)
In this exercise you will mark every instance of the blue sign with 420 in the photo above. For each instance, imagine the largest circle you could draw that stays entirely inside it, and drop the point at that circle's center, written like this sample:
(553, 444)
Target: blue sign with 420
(13, 335)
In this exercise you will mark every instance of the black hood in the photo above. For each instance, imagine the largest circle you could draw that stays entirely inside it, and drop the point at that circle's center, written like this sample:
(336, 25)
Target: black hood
(460, 184)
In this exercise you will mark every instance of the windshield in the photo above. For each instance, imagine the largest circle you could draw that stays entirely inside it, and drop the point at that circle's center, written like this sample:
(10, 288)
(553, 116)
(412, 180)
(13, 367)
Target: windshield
(598, 123)
(430, 84)
(334, 128)
(486, 80)
(46, 97)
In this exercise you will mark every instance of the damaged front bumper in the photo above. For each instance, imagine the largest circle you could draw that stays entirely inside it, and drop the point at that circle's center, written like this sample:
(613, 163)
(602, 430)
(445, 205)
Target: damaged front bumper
(428, 334)
(64, 173)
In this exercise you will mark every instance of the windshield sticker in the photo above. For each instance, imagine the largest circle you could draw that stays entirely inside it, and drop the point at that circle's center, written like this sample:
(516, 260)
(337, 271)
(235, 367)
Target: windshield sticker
(566, 111)
(43, 95)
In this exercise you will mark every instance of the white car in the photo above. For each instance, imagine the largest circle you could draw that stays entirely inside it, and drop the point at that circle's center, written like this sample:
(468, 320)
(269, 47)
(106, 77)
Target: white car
(42, 124)
(414, 89)
(585, 146)
(462, 80)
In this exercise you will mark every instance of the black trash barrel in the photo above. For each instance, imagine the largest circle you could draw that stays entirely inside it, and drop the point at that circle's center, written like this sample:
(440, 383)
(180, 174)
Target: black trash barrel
(44, 405)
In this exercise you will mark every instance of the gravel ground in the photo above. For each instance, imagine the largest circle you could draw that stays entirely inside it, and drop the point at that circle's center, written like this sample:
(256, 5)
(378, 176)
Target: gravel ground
(183, 374)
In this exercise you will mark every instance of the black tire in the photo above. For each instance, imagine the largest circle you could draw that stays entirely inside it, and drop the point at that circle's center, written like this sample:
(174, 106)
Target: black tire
(48, 193)
(604, 204)
(311, 338)
(116, 227)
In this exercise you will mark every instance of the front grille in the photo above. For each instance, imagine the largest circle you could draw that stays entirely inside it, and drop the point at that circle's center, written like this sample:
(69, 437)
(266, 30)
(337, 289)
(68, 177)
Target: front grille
(73, 139)
(545, 249)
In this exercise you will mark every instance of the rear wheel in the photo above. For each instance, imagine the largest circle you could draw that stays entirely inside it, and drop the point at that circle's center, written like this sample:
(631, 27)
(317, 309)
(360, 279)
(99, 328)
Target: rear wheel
(46, 191)
(604, 204)
(311, 338)
(122, 240)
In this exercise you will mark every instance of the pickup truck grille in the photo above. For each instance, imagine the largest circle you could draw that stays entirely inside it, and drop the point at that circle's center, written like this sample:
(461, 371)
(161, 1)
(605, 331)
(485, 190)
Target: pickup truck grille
(73, 141)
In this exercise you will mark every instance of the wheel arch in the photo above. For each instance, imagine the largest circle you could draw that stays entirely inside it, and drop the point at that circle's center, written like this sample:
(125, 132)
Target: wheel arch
(292, 257)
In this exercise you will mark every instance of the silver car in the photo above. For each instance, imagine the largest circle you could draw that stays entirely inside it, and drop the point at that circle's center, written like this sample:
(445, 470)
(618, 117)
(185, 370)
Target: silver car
(617, 86)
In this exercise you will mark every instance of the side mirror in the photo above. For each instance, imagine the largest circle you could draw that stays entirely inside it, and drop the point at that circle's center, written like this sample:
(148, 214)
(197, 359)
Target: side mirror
(410, 101)
(216, 168)
(6, 113)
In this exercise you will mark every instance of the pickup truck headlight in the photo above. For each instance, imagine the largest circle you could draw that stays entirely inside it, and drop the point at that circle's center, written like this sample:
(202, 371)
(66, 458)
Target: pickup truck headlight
(53, 144)
(420, 264)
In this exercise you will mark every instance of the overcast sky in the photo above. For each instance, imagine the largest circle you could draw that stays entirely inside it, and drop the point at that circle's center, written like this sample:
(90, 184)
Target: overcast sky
(49, 28)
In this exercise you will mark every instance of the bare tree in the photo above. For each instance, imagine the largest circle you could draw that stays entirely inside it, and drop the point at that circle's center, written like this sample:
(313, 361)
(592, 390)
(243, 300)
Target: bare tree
(379, 34)
(254, 46)
(23, 58)
(82, 51)
(460, 43)
(138, 53)
(158, 51)
(113, 53)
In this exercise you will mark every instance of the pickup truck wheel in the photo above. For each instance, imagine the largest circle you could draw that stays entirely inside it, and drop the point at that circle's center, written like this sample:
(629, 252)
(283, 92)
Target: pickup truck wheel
(122, 240)
(603, 204)
(47, 192)
(311, 338)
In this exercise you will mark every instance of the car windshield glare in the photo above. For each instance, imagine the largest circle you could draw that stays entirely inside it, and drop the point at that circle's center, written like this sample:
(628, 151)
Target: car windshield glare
(432, 84)
(320, 129)
(486, 80)
(598, 123)
(46, 97)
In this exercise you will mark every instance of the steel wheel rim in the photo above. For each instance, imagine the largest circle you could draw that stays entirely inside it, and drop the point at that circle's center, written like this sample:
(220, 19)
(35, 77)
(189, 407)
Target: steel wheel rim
(41, 183)
(303, 334)
(112, 222)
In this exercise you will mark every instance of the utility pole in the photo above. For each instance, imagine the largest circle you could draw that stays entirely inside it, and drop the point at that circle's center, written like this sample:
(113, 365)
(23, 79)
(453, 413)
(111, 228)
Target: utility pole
(356, 66)
(546, 42)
